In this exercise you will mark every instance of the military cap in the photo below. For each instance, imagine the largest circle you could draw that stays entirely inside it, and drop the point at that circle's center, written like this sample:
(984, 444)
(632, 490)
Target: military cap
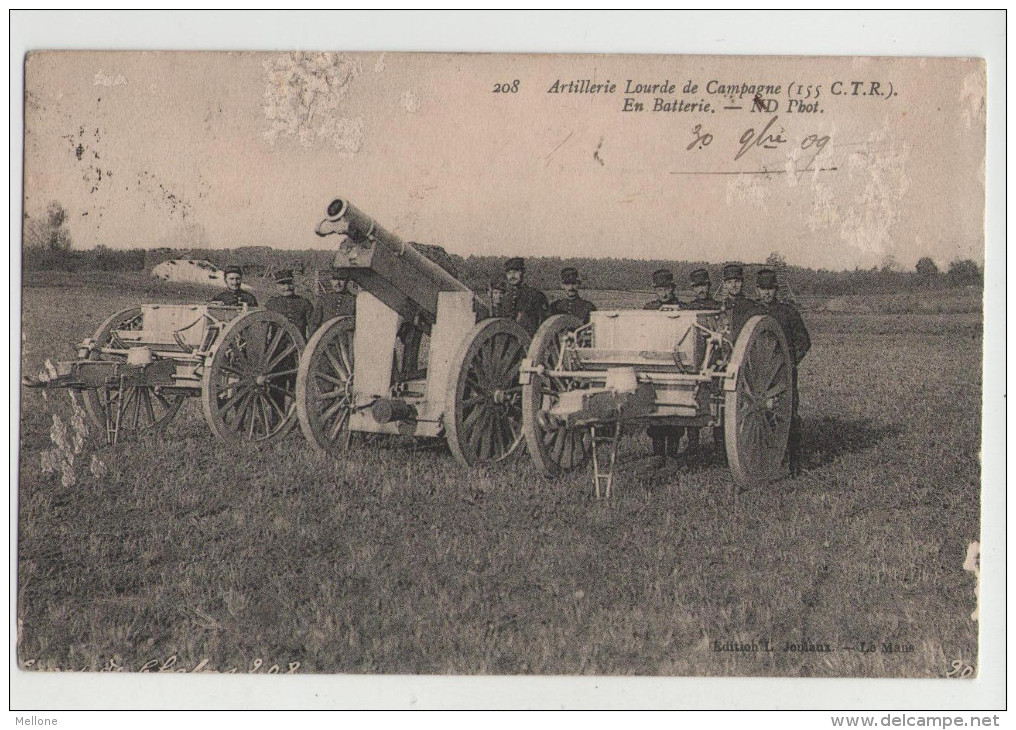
(285, 276)
(514, 264)
(663, 277)
(232, 269)
(569, 275)
(699, 277)
(733, 271)
(497, 283)
(766, 279)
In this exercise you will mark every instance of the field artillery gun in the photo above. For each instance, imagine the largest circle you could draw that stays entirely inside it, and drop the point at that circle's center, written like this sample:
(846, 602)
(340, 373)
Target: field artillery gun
(583, 384)
(142, 362)
(364, 375)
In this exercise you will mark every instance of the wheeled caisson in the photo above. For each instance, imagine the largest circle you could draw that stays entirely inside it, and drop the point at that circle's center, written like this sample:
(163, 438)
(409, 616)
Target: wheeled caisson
(582, 385)
(142, 362)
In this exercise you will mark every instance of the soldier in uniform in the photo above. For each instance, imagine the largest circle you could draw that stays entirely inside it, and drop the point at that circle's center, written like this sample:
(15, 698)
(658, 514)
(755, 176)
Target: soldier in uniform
(738, 307)
(337, 302)
(294, 308)
(700, 284)
(666, 439)
(234, 295)
(799, 342)
(523, 303)
(663, 283)
(497, 289)
(572, 303)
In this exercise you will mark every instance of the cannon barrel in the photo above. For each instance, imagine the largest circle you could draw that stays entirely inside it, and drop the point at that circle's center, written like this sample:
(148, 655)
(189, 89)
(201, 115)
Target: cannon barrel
(390, 269)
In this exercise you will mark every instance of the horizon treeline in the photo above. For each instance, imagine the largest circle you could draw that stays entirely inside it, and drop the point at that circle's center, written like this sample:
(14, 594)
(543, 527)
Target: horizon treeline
(542, 272)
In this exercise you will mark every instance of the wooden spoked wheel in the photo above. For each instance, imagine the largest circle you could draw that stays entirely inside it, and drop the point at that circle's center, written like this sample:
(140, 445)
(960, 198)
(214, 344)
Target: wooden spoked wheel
(483, 411)
(249, 383)
(553, 447)
(324, 385)
(757, 412)
(143, 407)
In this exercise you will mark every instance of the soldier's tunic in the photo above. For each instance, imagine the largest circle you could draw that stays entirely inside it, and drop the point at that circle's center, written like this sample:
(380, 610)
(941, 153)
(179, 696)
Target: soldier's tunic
(525, 305)
(793, 327)
(295, 308)
(668, 301)
(665, 438)
(577, 307)
(235, 298)
(331, 305)
(740, 309)
(704, 303)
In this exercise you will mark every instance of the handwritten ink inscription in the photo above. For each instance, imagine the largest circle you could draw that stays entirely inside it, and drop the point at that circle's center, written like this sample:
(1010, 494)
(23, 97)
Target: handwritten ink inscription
(772, 136)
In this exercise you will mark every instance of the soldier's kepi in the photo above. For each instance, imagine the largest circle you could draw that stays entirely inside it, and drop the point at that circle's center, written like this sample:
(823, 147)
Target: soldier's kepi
(572, 303)
(799, 342)
(521, 302)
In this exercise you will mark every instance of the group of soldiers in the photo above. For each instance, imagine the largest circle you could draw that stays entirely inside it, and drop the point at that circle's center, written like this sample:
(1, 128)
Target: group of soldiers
(305, 315)
(513, 299)
(739, 309)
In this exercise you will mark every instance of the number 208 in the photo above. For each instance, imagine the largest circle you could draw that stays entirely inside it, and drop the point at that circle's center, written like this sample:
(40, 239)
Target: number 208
(508, 87)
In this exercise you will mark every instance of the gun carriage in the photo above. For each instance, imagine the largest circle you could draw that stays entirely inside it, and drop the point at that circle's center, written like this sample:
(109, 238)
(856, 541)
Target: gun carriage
(583, 385)
(367, 375)
(135, 372)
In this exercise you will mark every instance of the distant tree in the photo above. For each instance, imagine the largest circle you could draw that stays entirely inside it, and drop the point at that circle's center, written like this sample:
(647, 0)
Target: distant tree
(964, 272)
(48, 232)
(776, 259)
(926, 268)
(889, 263)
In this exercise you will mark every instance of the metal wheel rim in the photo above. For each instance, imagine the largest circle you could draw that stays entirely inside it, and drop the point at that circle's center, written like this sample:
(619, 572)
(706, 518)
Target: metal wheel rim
(249, 383)
(483, 417)
(324, 386)
(553, 449)
(757, 413)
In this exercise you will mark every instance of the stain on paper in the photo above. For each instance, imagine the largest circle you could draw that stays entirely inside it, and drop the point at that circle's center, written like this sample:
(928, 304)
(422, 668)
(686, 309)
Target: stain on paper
(303, 99)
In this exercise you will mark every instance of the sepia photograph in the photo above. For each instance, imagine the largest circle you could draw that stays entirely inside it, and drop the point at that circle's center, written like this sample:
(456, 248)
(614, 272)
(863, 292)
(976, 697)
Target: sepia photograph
(397, 363)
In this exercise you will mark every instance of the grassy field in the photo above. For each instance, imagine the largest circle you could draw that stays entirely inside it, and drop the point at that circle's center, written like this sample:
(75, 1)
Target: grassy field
(180, 550)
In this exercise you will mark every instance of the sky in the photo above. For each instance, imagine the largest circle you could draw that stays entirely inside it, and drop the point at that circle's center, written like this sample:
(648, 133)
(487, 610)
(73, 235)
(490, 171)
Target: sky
(238, 149)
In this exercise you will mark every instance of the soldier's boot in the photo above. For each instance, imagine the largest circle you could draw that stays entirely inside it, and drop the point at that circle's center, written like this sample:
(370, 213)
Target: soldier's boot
(659, 452)
(693, 439)
(674, 443)
(794, 446)
(719, 443)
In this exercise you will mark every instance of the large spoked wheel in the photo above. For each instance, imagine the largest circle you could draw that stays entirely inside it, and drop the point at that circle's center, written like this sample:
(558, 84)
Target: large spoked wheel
(553, 447)
(249, 385)
(324, 386)
(141, 407)
(483, 413)
(757, 412)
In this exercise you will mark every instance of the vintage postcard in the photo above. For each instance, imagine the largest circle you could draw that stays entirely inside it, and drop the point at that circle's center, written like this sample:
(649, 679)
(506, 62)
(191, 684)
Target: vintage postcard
(485, 364)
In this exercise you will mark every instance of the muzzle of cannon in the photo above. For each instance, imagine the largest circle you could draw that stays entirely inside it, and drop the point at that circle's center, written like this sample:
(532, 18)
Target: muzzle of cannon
(389, 268)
